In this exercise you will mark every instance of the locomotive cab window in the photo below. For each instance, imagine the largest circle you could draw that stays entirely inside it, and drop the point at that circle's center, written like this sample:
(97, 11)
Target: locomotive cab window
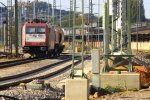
(30, 30)
(40, 30)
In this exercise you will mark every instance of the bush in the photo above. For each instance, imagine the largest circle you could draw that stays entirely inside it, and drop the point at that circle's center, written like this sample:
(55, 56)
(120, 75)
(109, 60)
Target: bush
(111, 89)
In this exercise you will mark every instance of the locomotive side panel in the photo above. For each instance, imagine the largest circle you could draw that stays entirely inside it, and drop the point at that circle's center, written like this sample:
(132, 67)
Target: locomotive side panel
(52, 36)
(23, 35)
(60, 35)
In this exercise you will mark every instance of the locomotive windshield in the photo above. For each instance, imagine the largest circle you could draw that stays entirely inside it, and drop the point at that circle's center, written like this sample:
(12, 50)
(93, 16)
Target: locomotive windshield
(30, 30)
(35, 30)
(40, 30)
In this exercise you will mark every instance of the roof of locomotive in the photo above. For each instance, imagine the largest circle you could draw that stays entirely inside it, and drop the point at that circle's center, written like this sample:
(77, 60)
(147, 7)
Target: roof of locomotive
(37, 22)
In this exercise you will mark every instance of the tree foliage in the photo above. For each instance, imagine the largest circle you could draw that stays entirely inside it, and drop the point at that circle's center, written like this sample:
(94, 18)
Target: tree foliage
(65, 21)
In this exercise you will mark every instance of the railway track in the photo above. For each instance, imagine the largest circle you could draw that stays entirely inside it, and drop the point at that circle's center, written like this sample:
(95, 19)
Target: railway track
(8, 64)
(25, 77)
(140, 59)
(2, 56)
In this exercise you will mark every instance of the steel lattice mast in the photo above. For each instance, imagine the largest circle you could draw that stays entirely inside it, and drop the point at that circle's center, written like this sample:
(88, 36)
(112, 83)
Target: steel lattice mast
(117, 39)
(81, 41)
(70, 22)
(9, 27)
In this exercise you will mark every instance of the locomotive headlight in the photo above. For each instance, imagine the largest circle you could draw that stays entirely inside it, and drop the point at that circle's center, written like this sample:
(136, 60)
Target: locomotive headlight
(43, 48)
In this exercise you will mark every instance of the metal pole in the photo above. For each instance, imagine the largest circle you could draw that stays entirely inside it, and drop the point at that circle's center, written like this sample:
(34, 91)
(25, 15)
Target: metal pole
(74, 32)
(16, 27)
(4, 27)
(11, 32)
(91, 26)
(106, 34)
(89, 37)
(34, 9)
(130, 67)
(60, 13)
(8, 47)
(69, 24)
(27, 11)
(139, 15)
(53, 12)
(48, 12)
(138, 21)
(82, 38)
(4, 36)
(112, 30)
(98, 22)
(1, 28)
(137, 26)
(37, 10)
(88, 25)
(69, 27)
(19, 24)
(70, 21)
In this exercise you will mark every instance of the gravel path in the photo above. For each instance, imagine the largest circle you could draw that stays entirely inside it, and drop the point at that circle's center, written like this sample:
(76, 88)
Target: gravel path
(31, 94)
(127, 95)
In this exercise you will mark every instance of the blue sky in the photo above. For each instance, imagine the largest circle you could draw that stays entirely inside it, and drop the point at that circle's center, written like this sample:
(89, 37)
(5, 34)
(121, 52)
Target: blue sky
(147, 8)
(65, 5)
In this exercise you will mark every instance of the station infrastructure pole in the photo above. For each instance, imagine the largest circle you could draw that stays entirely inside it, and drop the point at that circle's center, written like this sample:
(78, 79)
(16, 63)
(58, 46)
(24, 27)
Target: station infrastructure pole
(70, 36)
(138, 22)
(16, 27)
(11, 27)
(53, 12)
(78, 53)
(1, 24)
(99, 24)
(48, 15)
(19, 23)
(129, 52)
(91, 21)
(4, 28)
(117, 44)
(106, 34)
(60, 13)
(28, 11)
(34, 4)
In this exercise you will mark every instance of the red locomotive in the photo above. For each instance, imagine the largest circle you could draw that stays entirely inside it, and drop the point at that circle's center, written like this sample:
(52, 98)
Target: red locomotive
(40, 38)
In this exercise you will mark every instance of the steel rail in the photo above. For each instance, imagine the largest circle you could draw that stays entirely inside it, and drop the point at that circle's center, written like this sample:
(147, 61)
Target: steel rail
(52, 74)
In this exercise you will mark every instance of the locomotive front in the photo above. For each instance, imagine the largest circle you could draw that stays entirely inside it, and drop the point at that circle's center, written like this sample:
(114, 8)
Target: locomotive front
(34, 38)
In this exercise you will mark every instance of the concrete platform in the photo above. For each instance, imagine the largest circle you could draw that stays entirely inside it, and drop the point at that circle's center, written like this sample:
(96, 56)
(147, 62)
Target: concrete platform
(76, 89)
(126, 80)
